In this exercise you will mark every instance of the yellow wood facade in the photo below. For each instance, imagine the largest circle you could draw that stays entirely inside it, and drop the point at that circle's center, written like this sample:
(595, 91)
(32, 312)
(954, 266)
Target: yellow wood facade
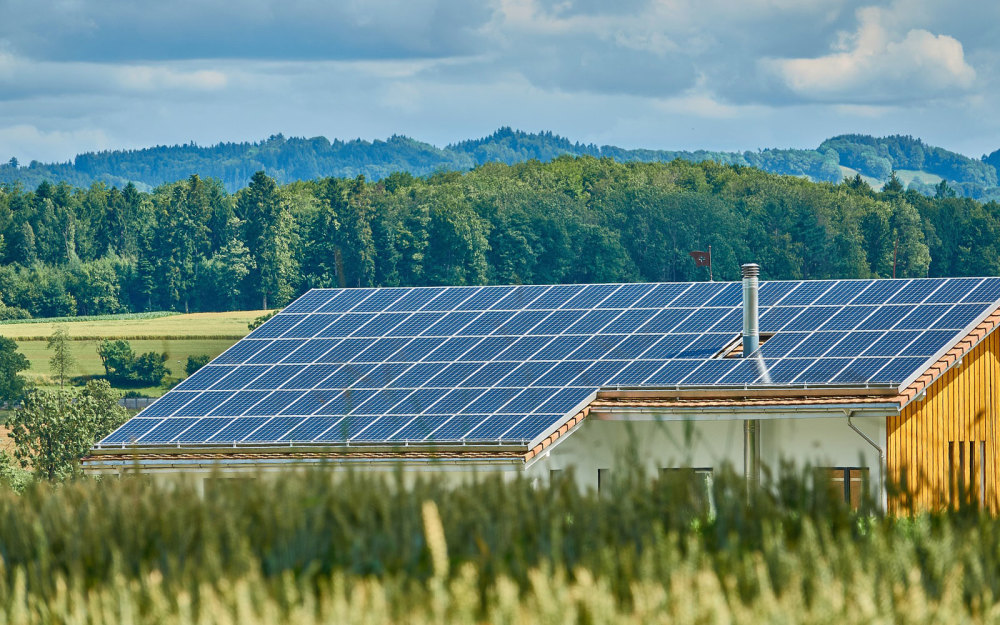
(943, 448)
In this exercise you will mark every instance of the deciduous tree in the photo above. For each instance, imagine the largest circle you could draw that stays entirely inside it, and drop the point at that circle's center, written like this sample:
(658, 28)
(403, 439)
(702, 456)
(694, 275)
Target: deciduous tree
(53, 430)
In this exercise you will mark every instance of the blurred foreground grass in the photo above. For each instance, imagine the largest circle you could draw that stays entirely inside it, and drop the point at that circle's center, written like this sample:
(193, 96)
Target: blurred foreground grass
(305, 549)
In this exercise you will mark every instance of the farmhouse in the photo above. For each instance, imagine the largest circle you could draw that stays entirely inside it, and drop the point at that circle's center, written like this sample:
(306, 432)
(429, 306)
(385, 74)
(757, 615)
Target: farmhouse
(873, 380)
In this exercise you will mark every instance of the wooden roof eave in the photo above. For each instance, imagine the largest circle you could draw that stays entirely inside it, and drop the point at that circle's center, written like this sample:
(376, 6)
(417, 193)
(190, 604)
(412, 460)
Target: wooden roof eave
(952, 357)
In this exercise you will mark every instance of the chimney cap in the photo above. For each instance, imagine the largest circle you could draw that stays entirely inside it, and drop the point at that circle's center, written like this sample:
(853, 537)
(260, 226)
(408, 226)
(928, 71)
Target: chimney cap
(750, 270)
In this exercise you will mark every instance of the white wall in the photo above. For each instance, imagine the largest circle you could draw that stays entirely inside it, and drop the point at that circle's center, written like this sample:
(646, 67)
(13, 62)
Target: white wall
(198, 474)
(597, 444)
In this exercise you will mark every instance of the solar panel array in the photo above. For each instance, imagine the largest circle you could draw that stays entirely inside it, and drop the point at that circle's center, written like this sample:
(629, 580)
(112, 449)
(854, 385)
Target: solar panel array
(506, 363)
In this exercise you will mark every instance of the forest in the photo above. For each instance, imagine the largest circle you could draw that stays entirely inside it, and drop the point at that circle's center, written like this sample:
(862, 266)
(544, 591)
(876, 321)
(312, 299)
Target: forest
(290, 159)
(190, 245)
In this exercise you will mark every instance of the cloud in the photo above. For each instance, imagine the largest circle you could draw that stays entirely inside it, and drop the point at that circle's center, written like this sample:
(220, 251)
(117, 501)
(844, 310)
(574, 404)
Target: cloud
(732, 74)
(129, 31)
(53, 145)
(22, 78)
(872, 65)
(150, 78)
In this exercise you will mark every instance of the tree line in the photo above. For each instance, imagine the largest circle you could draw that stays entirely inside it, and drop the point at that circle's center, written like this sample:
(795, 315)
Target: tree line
(192, 246)
(289, 159)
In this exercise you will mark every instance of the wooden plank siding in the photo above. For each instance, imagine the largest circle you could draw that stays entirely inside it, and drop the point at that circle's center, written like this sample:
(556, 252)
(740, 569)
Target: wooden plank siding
(949, 428)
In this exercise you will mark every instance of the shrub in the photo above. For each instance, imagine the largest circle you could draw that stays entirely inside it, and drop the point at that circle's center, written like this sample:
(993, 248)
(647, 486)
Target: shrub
(10, 313)
(196, 362)
(259, 321)
(123, 367)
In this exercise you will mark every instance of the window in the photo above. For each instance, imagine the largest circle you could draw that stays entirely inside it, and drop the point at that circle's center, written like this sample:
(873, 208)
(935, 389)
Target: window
(213, 486)
(603, 479)
(697, 481)
(849, 482)
(967, 472)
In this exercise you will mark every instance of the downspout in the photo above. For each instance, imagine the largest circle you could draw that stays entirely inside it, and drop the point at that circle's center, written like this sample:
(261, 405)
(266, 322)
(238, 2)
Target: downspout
(751, 341)
(881, 456)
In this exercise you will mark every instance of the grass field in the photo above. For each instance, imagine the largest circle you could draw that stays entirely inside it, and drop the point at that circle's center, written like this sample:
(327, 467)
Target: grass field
(222, 325)
(906, 176)
(848, 172)
(179, 336)
(294, 549)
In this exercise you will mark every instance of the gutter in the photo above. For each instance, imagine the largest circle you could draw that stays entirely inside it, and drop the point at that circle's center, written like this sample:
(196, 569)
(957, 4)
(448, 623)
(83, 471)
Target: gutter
(881, 453)
(96, 464)
(724, 413)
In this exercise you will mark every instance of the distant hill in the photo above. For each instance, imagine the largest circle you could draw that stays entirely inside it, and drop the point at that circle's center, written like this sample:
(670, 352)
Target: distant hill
(288, 159)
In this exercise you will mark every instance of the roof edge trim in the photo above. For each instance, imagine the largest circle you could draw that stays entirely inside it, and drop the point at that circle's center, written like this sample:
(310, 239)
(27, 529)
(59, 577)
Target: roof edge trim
(933, 371)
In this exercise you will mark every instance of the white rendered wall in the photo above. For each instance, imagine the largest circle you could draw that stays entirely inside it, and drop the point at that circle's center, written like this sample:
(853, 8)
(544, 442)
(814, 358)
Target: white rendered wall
(198, 475)
(597, 444)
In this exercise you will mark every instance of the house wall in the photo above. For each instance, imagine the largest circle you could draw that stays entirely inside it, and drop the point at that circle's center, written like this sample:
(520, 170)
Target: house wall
(597, 444)
(201, 475)
(959, 407)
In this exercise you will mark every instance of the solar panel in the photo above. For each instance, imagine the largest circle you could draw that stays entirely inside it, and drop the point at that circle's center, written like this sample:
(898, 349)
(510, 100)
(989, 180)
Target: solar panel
(505, 363)
(803, 293)
(346, 301)
(310, 326)
(310, 402)
(813, 345)
(237, 429)
(238, 403)
(419, 428)
(663, 295)
(344, 325)
(311, 301)
(954, 290)
(626, 296)
(276, 329)
(841, 293)
(240, 352)
(787, 369)
(746, 371)
(988, 291)
(672, 373)
(491, 401)
(274, 429)
(591, 296)
(556, 296)
(415, 299)
(775, 319)
(635, 373)
(204, 378)
(731, 295)
(773, 292)
(701, 320)
(202, 430)
(310, 428)
(167, 430)
(131, 431)
(959, 316)
(562, 373)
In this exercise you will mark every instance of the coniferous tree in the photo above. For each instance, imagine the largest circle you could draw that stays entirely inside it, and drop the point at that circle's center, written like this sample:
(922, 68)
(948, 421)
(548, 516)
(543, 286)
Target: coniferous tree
(268, 233)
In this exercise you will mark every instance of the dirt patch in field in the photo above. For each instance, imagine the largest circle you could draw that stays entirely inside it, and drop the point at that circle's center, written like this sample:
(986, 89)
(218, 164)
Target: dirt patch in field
(5, 443)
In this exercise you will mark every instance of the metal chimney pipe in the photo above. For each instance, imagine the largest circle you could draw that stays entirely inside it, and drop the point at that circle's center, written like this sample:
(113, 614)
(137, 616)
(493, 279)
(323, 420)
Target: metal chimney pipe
(751, 329)
(751, 341)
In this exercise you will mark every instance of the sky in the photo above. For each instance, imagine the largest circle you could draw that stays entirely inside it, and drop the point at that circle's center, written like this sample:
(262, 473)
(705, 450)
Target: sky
(82, 75)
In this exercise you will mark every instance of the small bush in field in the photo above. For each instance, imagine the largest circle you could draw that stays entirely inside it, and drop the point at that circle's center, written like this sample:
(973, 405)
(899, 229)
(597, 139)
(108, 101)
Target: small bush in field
(195, 362)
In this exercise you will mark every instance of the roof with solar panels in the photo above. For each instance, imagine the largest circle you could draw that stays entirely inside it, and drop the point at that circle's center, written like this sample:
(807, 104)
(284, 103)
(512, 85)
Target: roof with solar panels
(511, 365)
